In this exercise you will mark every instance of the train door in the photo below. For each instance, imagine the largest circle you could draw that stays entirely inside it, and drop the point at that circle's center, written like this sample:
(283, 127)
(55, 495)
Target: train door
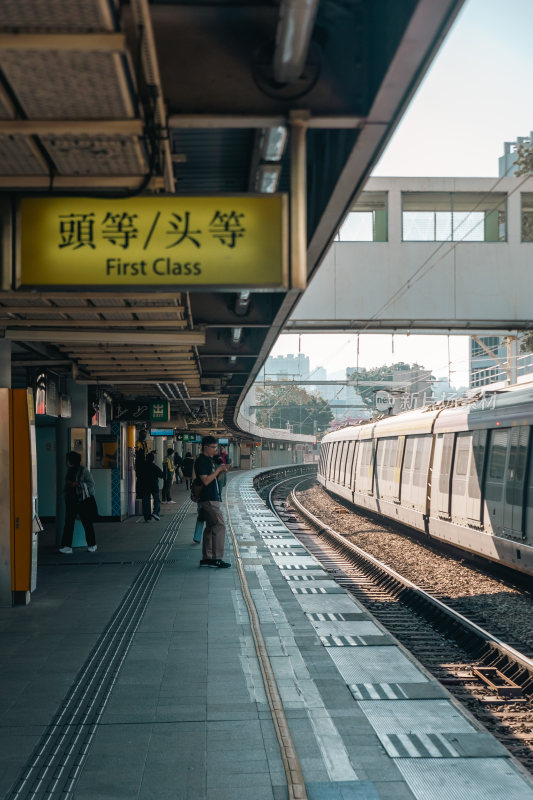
(513, 509)
(498, 446)
(445, 474)
(475, 476)
(398, 469)
(463, 448)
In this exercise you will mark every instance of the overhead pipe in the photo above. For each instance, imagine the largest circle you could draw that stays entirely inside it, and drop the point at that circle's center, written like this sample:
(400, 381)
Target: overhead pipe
(295, 26)
(141, 15)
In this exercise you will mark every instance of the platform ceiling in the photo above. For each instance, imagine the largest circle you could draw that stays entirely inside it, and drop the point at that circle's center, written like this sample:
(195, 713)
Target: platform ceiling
(99, 98)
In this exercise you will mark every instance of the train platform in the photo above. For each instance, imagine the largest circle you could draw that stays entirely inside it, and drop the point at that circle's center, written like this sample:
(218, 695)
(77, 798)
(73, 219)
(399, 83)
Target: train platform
(133, 673)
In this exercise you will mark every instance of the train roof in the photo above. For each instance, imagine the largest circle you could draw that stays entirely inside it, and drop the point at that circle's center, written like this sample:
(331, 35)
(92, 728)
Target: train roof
(509, 405)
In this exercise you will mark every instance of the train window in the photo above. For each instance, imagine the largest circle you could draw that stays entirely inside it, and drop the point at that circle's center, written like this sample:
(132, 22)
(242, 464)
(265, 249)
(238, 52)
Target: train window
(342, 463)
(348, 480)
(366, 453)
(498, 454)
(446, 462)
(475, 477)
(409, 448)
(517, 466)
(462, 453)
(423, 452)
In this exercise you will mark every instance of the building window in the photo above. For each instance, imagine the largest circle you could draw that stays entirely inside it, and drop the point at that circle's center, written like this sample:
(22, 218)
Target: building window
(367, 219)
(454, 217)
(527, 217)
(493, 343)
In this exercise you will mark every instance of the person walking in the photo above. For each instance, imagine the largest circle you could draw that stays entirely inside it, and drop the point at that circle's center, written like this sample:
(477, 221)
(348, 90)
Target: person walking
(188, 466)
(168, 476)
(211, 506)
(149, 484)
(79, 501)
(178, 465)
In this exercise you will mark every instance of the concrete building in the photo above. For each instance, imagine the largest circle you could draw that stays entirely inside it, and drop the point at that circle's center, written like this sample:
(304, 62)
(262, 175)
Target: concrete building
(432, 255)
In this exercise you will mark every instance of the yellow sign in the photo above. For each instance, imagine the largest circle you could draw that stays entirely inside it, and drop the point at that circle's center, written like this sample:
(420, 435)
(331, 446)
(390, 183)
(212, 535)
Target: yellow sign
(152, 241)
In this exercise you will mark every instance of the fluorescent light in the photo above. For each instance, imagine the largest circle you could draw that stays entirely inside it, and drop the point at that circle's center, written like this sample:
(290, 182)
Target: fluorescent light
(267, 177)
(233, 359)
(273, 142)
(242, 303)
(236, 335)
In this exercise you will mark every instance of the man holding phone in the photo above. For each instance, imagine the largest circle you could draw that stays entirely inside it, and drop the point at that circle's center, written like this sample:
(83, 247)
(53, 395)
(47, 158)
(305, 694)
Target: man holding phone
(210, 499)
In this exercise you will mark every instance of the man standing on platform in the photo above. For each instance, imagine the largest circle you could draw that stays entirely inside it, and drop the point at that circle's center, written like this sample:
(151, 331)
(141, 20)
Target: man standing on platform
(210, 499)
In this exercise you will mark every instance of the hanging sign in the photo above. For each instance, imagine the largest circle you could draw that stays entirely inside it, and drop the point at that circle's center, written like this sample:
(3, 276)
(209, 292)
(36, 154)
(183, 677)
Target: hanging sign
(238, 241)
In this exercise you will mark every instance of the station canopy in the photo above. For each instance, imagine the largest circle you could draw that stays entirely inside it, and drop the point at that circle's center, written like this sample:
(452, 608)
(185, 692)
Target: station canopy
(173, 173)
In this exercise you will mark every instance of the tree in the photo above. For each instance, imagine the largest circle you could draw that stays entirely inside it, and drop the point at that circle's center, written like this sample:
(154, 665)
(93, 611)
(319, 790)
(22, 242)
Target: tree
(524, 158)
(526, 342)
(292, 407)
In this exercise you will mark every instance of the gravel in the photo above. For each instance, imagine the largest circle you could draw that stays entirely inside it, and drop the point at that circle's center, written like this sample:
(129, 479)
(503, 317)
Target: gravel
(503, 610)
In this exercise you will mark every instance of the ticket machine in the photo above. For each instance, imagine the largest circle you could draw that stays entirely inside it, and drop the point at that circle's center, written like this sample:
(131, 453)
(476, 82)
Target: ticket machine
(19, 520)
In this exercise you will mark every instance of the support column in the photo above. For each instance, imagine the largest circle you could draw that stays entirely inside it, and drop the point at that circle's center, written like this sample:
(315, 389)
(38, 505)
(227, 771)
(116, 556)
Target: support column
(5, 364)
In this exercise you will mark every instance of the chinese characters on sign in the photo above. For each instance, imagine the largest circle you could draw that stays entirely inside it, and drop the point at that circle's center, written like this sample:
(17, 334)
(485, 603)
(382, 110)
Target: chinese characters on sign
(234, 241)
(78, 230)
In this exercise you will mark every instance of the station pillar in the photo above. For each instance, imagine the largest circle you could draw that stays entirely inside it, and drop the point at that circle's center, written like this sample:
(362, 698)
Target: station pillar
(5, 364)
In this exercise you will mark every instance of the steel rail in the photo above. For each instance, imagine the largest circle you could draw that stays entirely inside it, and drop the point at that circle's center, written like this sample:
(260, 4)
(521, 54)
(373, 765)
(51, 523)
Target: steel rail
(504, 649)
(289, 755)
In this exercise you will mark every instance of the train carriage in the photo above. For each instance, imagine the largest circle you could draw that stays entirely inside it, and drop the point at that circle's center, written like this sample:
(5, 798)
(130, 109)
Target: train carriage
(463, 474)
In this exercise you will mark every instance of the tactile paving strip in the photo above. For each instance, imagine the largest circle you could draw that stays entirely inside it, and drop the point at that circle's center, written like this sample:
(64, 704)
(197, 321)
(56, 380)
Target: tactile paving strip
(369, 664)
(450, 779)
(396, 691)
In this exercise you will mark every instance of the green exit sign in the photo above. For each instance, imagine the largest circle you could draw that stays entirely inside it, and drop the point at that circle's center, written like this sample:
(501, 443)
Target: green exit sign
(160, 411)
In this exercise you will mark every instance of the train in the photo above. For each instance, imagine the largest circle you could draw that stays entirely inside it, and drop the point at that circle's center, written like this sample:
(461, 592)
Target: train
(460, 474)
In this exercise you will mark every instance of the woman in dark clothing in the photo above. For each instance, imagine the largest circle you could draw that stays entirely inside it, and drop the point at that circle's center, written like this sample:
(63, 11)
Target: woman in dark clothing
(188, 465)
(149, 486)
(79, 486)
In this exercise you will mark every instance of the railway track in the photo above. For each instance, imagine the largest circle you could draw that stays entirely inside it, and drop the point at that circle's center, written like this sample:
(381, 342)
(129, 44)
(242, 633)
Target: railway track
(491, 678)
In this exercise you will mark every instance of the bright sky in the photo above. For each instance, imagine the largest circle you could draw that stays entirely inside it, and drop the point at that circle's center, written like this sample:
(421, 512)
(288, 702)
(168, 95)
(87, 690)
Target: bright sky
(477, 95)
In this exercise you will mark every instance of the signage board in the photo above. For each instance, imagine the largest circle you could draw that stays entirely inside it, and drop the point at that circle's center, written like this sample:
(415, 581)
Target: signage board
(160, 411)
(231, 241)
(162, 432)
(128, 410)
(190, 437)
(384, 400)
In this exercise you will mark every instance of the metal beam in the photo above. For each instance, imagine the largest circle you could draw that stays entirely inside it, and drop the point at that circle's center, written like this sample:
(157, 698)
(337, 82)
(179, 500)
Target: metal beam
(71, 127)
(90, 309)
(117, 294)
(57, 362)
(96, 323)
(85, 42)
(227, 121)
(100, 182)
(123, 337)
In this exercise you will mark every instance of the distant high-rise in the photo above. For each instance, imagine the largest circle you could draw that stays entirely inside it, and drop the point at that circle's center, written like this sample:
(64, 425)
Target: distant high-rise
(506, 163)
(289, 367)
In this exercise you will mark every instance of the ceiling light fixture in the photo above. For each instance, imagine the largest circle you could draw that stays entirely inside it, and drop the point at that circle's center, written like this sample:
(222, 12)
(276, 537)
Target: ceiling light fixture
(272, 143)
(267, 178)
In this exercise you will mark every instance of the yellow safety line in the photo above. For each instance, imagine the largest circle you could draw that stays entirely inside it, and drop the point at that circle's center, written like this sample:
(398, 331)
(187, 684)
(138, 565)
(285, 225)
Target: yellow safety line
(289, 756)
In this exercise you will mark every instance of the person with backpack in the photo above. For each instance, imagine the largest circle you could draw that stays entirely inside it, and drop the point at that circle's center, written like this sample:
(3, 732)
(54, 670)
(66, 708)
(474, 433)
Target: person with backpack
(79, 501)
(211, 505)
